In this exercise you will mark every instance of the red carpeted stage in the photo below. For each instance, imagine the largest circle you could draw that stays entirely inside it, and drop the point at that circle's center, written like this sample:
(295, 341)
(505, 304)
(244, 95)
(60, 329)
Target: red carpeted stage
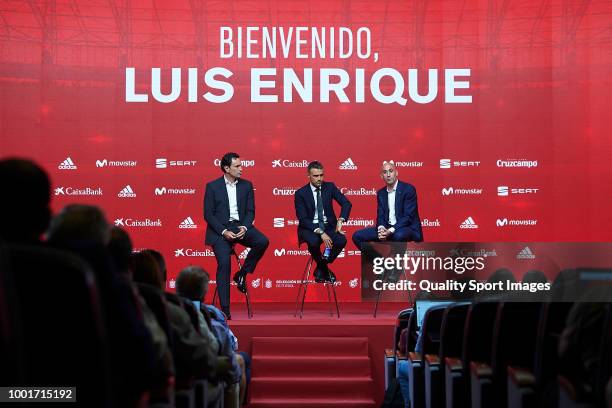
(319, 360)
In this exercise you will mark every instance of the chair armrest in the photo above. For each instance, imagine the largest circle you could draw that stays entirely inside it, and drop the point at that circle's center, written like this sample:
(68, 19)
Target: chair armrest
(567, 387)
(481, 370)
(432, 359)
(414, 357)
(521, 377)
(454, 364)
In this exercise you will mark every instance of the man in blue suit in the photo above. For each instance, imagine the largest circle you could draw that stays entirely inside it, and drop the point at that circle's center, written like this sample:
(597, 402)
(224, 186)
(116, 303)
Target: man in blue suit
(229, 210)
(318, 222)
(397, 214)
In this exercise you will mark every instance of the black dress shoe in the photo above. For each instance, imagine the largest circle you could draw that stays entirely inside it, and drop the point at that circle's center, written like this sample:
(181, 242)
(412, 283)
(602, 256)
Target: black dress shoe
(240, 279)
(331, 278)
(319, 276)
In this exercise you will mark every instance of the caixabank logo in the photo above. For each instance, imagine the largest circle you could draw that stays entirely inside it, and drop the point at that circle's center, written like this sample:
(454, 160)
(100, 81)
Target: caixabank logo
(77, 191)
(292, 164)
(193, 253)
(138, 223)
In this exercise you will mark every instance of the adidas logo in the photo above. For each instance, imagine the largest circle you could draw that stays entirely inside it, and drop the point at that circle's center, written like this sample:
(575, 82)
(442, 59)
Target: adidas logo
(127, 192)
(348, 164)
(525, 253)
(468, 224)
(67, 164)
(187, 223)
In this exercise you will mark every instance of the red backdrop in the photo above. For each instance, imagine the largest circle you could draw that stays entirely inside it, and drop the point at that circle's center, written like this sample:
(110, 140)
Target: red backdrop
(540, 83)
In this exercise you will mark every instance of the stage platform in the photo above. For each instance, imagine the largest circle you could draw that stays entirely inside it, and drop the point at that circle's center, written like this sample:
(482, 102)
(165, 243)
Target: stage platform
(276, 320)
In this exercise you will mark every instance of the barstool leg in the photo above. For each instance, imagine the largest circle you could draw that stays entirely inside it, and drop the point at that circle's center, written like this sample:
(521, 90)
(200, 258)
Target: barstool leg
(300, 286)
(377, 300)
(248, 298)
(331, 310)
(336, 300)
(215, 296)
(306, 286)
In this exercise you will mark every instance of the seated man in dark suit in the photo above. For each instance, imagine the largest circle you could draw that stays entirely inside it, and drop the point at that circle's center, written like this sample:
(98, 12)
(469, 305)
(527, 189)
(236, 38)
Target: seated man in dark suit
(229, 210)
(397, 213)
(317, 219)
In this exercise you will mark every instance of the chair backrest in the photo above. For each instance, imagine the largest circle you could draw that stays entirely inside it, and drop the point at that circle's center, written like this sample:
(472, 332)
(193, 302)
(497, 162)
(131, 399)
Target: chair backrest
(451, 333)
(513, 342)
(552, 321)
(400, 324)
(432, 323)
(63, 332)
(411, 338)
(478, 333)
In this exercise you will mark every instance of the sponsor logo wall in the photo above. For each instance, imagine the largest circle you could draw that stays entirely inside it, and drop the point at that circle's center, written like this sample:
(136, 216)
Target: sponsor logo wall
(163, 196)
(525, 161)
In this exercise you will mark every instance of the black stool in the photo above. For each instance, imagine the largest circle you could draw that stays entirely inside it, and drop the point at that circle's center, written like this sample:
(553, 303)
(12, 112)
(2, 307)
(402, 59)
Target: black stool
(248, 298)
(304, 286)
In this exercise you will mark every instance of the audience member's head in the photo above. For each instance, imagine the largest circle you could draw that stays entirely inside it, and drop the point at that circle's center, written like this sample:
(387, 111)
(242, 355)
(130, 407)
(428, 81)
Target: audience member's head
(25, 215)
(80, 223)
(161, 263)
(145, 269)
(192, 283)
(534, 276)
(120, 248)
(501, 275)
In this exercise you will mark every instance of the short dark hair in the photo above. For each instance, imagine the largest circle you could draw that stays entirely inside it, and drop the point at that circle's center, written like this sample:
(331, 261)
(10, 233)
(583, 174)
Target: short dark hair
(227, 159)
(145, 269)
(315, 165)
(120, 248)
(25, 216)
(79, 222)
(161, 262)
(191, 282)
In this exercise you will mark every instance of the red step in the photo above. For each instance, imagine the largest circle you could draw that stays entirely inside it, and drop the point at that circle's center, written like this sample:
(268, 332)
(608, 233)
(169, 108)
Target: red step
(312, 403)
(300, 388)
(310, 346)
(301, 366)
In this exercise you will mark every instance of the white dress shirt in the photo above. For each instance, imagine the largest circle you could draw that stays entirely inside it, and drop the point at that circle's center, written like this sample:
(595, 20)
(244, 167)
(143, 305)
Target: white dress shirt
(391, 201)
(233, 201)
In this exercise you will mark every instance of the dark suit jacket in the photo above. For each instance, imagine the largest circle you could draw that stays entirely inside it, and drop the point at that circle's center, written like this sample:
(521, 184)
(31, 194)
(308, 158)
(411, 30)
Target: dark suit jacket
(406, 210)
(305, 205)
(216, 207)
